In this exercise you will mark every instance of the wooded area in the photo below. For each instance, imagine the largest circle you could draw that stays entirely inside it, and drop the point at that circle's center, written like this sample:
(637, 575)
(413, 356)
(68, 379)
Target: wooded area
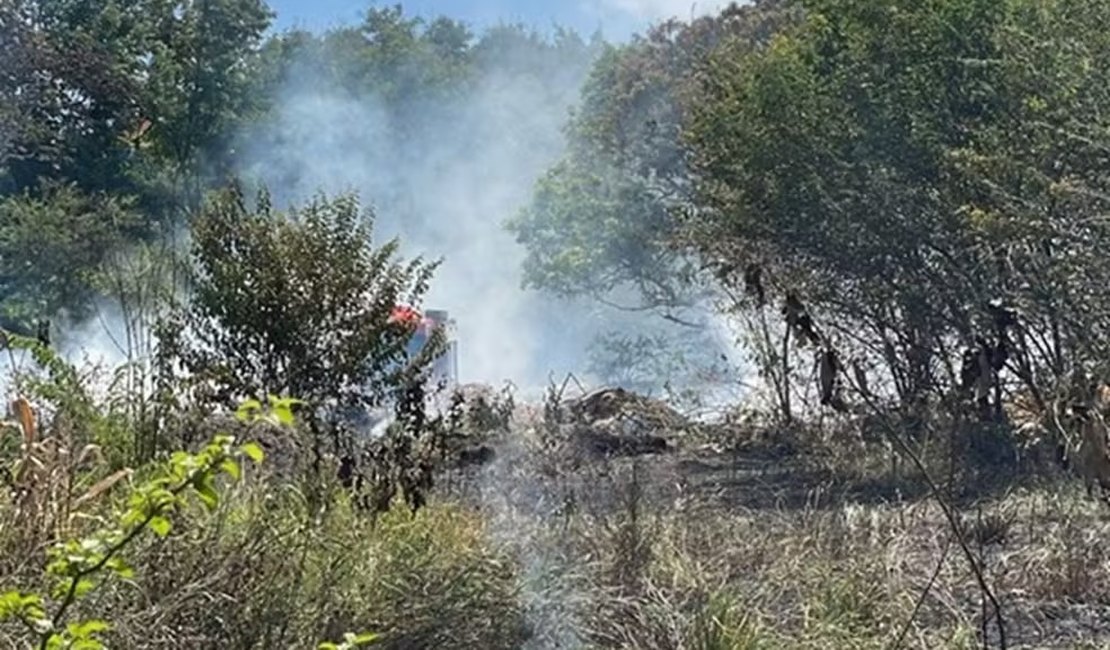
(896, 204)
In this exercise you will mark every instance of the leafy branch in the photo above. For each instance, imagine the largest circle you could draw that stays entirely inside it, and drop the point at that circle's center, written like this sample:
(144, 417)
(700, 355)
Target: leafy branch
(74, 564)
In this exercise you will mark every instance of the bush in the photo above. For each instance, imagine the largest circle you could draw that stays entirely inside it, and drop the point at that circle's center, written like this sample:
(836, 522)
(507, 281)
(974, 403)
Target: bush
(270, 571)
(294, 304)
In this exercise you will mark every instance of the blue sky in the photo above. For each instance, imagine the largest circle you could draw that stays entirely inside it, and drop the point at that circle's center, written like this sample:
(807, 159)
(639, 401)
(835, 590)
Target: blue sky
(617, 18)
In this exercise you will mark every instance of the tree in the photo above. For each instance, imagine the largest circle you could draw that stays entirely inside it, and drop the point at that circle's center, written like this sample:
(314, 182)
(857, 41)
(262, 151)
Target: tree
(605, 219)
(1038, 187)
(64, 99)
(50, 249)
(295, 304)
(910, 195)
(203, 56)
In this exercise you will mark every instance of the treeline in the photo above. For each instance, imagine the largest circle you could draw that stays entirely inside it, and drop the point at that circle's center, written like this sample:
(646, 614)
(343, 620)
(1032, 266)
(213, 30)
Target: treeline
(118, 117)
(915, 190)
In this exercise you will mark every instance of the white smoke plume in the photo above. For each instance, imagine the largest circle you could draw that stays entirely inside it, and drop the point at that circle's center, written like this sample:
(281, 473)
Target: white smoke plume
(446, 191)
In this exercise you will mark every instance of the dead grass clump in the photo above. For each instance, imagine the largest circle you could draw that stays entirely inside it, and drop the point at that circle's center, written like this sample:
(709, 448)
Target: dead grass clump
(49, 482)
(1055, 549)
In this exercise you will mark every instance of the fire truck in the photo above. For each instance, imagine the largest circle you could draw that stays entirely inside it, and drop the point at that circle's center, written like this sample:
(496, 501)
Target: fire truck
(444, 371)
(442, 377)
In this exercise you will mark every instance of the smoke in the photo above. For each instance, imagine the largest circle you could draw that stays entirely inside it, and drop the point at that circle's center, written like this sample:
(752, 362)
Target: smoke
(521, 508)
(99, 341)
(443, 174)
(443, 177)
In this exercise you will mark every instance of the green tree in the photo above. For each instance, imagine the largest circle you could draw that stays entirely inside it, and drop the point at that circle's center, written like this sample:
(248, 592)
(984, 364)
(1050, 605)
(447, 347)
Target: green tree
(50, 248)
(295, 303)
(1036, 187)
(606, 218)
(914, 183)
(65, 99)
(133, 100)
(202, 60)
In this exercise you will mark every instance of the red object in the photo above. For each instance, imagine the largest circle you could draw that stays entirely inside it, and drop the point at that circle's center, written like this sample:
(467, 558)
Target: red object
(405, 314)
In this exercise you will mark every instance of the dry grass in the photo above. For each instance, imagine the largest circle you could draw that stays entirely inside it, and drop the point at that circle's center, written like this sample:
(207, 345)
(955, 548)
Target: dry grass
(848, 577)
(268, 571)
(786, 540)
(759, 550)
(52, 483)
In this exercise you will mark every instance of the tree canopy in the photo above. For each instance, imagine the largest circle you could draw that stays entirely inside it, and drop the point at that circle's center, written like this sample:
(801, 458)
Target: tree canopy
(146, 106)
(908, 181)
(892, 175)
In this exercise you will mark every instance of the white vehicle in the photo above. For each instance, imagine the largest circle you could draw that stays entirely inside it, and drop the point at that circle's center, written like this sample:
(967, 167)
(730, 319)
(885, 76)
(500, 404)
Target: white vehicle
(443, 377)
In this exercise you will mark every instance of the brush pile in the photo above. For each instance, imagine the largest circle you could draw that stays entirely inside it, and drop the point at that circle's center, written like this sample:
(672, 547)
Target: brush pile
(617, 422)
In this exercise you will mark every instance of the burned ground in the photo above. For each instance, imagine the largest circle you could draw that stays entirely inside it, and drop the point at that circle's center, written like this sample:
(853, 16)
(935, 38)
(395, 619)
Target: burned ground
(797, 542)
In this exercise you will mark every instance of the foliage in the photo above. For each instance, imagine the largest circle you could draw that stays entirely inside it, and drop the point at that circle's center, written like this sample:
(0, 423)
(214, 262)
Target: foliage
(295, 304)
(57, 457)
(202, 78)
(912, 194)
(606, 216)
(408, 63)
(107, 82)
(299, 575)
(65, 98)
(76, 566)
(921, 187)
(114, 113)
(50, 247)
(137, 289)
(149, 101)
(682, 363)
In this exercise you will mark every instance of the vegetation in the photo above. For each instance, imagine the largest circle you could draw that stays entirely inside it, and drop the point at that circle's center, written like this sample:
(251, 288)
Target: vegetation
(900, 205)
(296, 306)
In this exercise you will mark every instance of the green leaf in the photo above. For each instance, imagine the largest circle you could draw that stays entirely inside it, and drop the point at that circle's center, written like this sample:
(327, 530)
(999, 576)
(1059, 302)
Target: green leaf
(84, 586)
(282, 409)
(248, 410)
(121, 568)
(161, 526)
(13, 603)
(284, 416)
(85, 629)
(231, 468)
(207, 493)
(327, 646)
(10, 601)
(253, 451)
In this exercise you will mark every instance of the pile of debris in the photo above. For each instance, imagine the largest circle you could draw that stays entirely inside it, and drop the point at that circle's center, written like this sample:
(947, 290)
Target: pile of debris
(283, 445)
(605, 423)
(616, 422)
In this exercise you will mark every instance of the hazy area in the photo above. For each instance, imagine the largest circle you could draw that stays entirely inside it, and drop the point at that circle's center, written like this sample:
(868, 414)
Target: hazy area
(781, 324)
(445, 185)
